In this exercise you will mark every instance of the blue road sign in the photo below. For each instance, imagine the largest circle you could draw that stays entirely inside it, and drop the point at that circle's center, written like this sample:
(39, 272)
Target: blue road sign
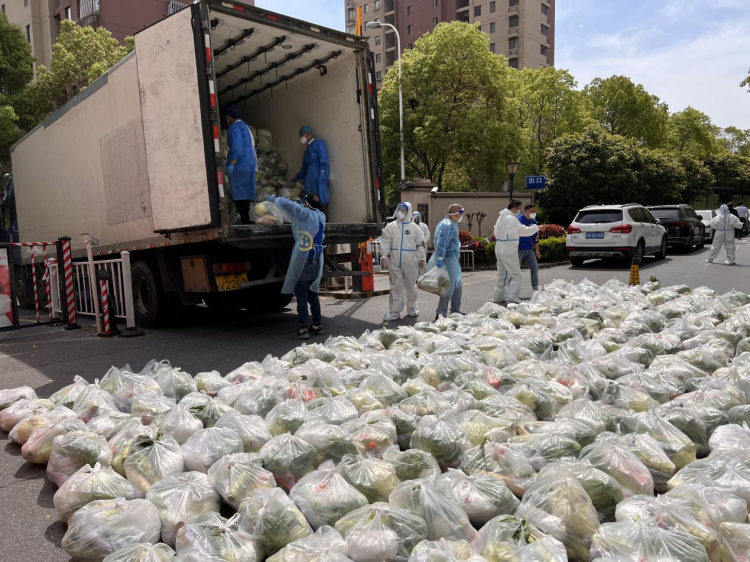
(536, 182)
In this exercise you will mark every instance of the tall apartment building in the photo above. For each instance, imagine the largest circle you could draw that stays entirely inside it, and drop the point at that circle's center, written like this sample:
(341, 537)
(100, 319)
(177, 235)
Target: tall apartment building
(522, 30)
(40, 19)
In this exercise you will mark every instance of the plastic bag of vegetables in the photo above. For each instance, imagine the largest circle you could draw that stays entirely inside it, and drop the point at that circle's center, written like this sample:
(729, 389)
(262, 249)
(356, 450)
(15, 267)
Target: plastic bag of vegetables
(481, 497)
(442, 438)
(143, 552)
(210, 412)
(108, 423)
(335, 410)
(212, 537)
(678, 447)
(180, 499)
(176, 384)
(121, 442)
(152, 459)
(477, 425)
(579, 431)
(720, 506)
(10, 396)
(22, 409)
(381, 532)
(267, 213)
(324, 496)
(558, 506)
(236, 477)
(331, 442)
(735, 541)
(642, 540)
(288, 458)
(544, 449)
(67, 395)
(444, 551)
(622, 465)
(206, 446)
(73, 451)
(650, 454)
(105, 526)
(729, 475)
(412, 464)
(148, 406)
(273, 519)
(436, 281)
(590, 412)
(38, 447)
(325, 545)
(90, 484)
(373, 477)
(251, 429)
(499, 460)
(179, 423)
(210, 382)
(93, 400)
(23, 429)
(134, 385)
(287, 417)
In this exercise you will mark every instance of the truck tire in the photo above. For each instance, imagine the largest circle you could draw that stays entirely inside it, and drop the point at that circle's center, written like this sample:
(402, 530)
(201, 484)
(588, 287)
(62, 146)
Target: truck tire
(153, 307)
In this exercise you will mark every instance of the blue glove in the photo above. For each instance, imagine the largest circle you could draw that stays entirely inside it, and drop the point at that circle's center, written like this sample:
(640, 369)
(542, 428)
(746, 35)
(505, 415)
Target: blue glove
(440, 262)
(230, 169)
(271, 198)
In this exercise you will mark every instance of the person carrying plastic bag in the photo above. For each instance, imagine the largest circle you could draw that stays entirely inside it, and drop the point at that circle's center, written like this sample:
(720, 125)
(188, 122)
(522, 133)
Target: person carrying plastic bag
(447, 254)
(724, 225)
(404, 254)
(508, 230)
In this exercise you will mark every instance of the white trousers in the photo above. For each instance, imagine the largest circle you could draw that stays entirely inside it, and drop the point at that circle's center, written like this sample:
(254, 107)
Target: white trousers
(403, 286)
(508, 286)
(725, 239)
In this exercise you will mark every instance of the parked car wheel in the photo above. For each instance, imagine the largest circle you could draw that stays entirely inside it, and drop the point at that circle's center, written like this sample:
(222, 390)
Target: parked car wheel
(577, 262)
(690, 244)
(702, 243)
(662, 253)
(639, 252)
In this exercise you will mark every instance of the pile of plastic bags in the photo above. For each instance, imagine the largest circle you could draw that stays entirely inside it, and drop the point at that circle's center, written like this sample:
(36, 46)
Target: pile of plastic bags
(593, 423)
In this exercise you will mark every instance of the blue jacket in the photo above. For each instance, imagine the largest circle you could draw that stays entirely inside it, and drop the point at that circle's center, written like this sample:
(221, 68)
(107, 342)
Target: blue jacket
(446, 241)
(242, 149)
(527, 242)
(308, 227)
(315, 170)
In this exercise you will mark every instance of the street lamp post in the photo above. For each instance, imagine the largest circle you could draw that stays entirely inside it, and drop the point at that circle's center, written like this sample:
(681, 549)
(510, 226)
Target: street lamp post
(378, 25)
(512, 168)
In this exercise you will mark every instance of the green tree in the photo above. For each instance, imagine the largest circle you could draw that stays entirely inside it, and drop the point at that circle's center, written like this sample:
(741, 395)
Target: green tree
(457, 108)
(732, 171)
(692, 132)
(736, 141)
(746, 82)
(80, 56)
(627, 109)
(698, 179)
(548, 106)
(660, 178)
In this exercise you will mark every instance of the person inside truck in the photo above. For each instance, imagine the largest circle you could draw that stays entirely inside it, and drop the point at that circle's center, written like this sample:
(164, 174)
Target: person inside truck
(315, 171)
(306, 264)
(242, 162)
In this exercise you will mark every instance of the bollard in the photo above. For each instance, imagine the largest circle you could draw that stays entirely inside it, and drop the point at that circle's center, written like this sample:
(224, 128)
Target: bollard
(131, 331)
(107, 304)
(69, 310)
(36, 289)
(365, 264)
(104, 294)
(635, 274)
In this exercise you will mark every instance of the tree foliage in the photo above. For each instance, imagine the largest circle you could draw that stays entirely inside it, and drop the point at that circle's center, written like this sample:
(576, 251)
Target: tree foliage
(692, 132)
(457, 108)
(731, 171)
(736, 140)
(746, 82)
(627, 109)
(80, 56)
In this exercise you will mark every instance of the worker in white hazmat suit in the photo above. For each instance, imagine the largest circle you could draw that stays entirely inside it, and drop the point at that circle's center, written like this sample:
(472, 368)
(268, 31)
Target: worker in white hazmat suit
(404, 254)
(507, 232)
(724, 225)
(417, 218)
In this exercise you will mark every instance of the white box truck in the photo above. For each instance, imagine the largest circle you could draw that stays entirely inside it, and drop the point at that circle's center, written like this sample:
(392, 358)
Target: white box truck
(135, 158)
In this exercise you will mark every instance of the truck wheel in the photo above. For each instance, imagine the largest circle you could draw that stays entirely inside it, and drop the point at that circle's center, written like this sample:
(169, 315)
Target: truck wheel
(153, 307)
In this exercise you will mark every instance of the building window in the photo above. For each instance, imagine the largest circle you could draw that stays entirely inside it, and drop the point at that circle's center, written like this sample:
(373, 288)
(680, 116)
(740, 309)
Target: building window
(492, 27)
(408, 10)
(544, 50)
(513, 21)
(512, 3)
(513, 43)
(350, 30)
(492, 7)
(25, 3)
(434, 3)
(513, 63)
(378, 75)
(410, 46)
(3, 8)
(351, 14)
(377, 5)
(378, 57)
(492, 48)
(477, 11)
(69, 13)
(28, 33)
(434, 23)
(377, 40)
(544, 9)
(544, 29)
(366, 8)
(409, 29)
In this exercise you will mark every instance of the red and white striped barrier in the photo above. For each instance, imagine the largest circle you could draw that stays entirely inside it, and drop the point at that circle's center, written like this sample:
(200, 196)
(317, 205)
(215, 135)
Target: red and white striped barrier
(70, 293)
(36, 288)
(107, 329)
(32, 244)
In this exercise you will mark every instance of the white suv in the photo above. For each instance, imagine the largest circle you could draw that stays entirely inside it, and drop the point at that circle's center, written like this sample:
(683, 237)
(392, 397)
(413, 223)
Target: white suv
(615, 231)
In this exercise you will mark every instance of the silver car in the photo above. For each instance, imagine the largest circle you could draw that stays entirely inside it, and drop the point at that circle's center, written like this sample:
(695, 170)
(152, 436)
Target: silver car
(706, 217)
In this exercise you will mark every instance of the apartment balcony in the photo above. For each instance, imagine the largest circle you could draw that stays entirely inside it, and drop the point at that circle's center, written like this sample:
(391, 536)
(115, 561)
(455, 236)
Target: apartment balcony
(389, 6)
(513, 31)
(462, 5)
(173, 7)
(88, 12)
(513, 52)
(391, 19)
(513, 10)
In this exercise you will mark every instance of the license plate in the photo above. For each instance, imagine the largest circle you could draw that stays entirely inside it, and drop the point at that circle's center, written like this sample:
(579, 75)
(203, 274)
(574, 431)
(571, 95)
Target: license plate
(590, 235)
(231, 282)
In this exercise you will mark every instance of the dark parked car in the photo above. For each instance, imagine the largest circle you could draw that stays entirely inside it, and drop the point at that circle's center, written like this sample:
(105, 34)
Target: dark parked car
(684, 227)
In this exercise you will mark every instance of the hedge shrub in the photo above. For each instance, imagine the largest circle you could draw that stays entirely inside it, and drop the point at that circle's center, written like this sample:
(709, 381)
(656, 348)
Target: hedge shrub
(464, 237)
(551, 231)
(551, 250)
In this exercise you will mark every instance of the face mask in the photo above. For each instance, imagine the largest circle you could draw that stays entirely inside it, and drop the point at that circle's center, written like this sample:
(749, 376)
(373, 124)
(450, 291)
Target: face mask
(517, 212)
(400, 216)
(303, 140)
(532, 216)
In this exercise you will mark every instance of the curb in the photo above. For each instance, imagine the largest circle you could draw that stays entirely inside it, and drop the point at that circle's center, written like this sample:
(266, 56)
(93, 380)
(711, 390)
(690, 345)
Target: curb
(351, 296)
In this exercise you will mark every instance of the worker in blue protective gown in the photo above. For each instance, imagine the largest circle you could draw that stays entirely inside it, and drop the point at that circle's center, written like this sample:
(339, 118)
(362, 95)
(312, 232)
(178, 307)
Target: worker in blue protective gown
(724, 225)
(315, 171)
(242, 162)
(447, 254)
(306, 264)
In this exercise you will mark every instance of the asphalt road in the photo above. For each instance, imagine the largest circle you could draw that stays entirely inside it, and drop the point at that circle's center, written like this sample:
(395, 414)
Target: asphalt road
(48, 359)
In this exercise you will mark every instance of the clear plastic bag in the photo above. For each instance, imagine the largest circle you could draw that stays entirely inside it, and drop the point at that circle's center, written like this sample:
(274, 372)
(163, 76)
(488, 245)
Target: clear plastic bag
(477, 425)
(267, 213)
(91, 401)
(650, 453)
(273, 519)
(335, 410)
(323, 497)
(412, 464)
(435, 281)
(735, 541)
(374, 478)
(208, 445)
(287, 417)
(641, 540)
(720, 506)
(74, 450)
(381, 531)
(210, 382)
(22, 409)
(544, 449)
(179, 423)
(121, 442)
(175, 384)
(38, 446)
(251, 429)
(210, 412)
(499, 460)
(151, 459)
(729, 475)
(325, 545)
(143, 552)
(579, 431)
(211, 537)
(622, 465)
(10, 396)
(134, 385)
(288, 458)
(678, 446)
(23, 429)
(67, 395)
(481, 497)
(558, 506)
(331, 442)
(90, 484)
(181, 499)
(442, 438)
(236, 477)
(105, 526)
(444, 551)
(108, 423)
